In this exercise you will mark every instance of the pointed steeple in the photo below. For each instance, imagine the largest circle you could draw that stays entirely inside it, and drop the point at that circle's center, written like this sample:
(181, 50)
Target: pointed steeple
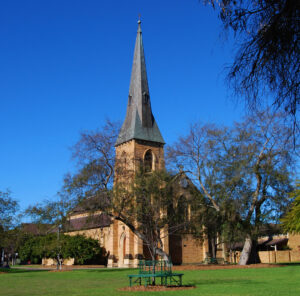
(139, 122)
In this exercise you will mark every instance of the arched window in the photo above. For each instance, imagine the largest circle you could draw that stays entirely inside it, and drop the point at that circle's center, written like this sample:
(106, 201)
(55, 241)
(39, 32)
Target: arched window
(148, 161)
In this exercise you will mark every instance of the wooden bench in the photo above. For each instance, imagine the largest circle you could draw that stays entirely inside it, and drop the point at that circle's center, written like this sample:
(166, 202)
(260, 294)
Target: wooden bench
(149, 271)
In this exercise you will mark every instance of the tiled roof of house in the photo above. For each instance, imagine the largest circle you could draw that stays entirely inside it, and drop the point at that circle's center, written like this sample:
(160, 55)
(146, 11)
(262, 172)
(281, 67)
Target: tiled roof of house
(277, 241)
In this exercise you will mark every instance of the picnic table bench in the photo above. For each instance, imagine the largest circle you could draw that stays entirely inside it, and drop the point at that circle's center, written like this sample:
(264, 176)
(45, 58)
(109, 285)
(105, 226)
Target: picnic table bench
(210, 260)
(150, 270)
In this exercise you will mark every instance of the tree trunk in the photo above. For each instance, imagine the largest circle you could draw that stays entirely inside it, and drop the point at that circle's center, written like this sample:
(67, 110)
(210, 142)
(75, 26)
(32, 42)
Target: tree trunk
(254, 258)
(249, 254)
(163, 254)
(245, 255)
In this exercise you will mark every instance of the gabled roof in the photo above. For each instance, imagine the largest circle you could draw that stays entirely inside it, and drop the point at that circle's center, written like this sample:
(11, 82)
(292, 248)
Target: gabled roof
(183, 185)
(139, 122)
(92, 204)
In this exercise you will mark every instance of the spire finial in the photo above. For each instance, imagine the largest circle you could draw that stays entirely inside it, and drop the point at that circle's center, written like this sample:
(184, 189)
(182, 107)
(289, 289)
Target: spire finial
(139, 24)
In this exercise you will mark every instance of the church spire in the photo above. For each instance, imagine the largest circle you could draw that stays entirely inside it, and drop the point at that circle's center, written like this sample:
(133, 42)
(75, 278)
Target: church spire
(139, 122)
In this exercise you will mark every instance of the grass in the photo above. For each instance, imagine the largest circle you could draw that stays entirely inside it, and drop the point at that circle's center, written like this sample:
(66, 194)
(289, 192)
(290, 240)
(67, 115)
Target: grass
(234, 282)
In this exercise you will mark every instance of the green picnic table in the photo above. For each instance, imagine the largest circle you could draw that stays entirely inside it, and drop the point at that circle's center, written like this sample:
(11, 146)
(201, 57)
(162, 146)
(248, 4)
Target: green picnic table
(150, 270)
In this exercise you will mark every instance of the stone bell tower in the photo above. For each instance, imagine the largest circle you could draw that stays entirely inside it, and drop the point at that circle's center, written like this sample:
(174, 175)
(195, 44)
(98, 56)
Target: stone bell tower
(140, 141)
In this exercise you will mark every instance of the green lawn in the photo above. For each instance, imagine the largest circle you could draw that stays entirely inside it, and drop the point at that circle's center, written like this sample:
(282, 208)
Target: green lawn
(261, 281)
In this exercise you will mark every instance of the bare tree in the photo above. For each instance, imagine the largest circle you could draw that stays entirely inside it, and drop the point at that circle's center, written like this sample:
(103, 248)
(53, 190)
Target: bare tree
(246, 169)
(143, 207)
(267, 61)
(140, 200)
(95, 156)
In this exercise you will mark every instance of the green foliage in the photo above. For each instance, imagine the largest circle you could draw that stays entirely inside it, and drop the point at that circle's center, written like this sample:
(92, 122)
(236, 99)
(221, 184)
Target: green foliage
(32, 249)
(83, 249)
(152, 197)
(143, 206)
(8, 219)
(291, 221)
(8, 209)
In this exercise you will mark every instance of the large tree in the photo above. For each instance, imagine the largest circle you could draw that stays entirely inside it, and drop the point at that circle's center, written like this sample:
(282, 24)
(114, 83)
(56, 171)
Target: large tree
(291, 221)
(8, 220)
(8, 210)
(267, 61)
(139, 200)
(243, 171)
(95, 157)
(92, 185)
(143, 207)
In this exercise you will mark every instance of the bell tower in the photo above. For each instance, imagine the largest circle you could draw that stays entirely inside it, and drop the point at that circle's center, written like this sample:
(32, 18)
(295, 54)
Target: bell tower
(140, 141)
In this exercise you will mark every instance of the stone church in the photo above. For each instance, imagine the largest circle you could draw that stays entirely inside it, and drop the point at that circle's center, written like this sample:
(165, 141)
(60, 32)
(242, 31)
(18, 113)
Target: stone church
(139, 141)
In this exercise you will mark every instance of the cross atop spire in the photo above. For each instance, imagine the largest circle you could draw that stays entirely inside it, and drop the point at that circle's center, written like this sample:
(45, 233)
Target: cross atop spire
(139, 122)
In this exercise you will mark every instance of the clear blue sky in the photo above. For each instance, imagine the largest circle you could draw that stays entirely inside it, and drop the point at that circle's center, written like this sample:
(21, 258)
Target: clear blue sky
(65, 67)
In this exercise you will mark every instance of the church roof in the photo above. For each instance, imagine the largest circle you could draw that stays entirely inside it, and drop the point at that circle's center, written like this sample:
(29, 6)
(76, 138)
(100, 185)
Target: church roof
(89, 222)
(139, 122)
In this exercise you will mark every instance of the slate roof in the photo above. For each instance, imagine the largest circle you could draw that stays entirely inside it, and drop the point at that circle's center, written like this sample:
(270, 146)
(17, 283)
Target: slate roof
(89, 222)
(90, 206)
(94, 203)
(139, 122)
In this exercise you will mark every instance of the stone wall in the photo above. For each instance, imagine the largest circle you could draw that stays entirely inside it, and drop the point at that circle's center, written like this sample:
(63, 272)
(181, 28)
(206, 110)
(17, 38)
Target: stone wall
(130, 155)
(101, 235)
(50, 261)
(294, 242)
(279, 256)
(192, 250)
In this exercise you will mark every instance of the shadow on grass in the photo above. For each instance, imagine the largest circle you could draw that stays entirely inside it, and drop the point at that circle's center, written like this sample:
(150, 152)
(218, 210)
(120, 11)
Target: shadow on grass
(15, 270)
(221, 281)
(125, 270)
(288, 264)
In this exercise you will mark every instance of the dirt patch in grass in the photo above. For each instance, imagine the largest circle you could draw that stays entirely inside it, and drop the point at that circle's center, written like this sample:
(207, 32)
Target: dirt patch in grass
(222, 266)
(156, 288)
